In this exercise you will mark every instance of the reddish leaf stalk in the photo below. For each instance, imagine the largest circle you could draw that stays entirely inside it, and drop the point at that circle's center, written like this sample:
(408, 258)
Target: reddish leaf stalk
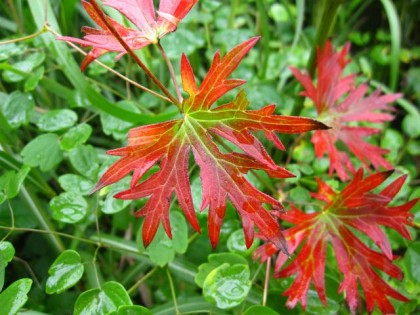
(114, 32)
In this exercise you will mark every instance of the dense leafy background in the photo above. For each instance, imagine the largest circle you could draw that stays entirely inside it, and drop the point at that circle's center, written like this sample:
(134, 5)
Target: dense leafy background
(56, 123)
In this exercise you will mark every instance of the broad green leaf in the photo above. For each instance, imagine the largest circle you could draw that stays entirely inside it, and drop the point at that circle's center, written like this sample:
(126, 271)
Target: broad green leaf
(57, 119)
(22, 69)
(113, 205)
(76, 136)
(32, 82)
(216, 260)
(304, 152)
(68, 207)
(227, 286)
(116, 127)
(316, 307)
(65, 272)
(43, 151)
(102, 301)
(411, 263)
(162, 250)
(411, 125)
(236, 243)
(17, 108)
(260, 310)
(15, 296)
(11, 49)
(7, 252)
(131, 310)
(299, 194)
(84, 159)
(76, 183)
(10, 182)
(392, 140)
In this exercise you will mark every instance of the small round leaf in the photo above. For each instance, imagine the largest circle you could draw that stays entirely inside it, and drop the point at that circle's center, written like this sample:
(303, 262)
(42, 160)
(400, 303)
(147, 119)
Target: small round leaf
(102, 301)
(76, 183)
(76, 136)
(65, 272)
(43, 151)
(227, 286)
(57, 119)
(236, 243)
(68, 207)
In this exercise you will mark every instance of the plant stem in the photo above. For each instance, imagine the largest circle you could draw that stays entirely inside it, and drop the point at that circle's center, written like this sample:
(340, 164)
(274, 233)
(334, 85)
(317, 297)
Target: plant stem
(267, 277)
(141, 280)
(324, 30)
(112, 70)
(171, 71)
(15, 40)
(118, 37)
(171, 284)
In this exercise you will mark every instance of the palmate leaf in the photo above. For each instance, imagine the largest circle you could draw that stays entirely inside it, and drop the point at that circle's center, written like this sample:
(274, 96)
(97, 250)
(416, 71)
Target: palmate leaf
(170, 144)
(356, 207)
(340, 104)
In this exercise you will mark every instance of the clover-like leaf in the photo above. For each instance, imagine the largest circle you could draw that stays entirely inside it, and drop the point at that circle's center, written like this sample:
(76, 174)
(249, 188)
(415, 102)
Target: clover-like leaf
(65, 272)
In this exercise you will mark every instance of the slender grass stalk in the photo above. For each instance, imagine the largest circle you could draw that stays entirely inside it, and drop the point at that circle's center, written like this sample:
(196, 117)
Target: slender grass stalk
(134, 287)
(42, 218)
(395, 29)
(171, 285)
(136, 58)
(328, 18)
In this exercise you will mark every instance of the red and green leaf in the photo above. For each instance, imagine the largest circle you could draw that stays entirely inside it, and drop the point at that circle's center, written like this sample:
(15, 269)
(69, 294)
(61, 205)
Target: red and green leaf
(355, 208)
(200, 132)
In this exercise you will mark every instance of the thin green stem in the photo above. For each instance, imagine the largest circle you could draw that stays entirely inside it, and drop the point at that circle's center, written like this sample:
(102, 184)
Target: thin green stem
(23, 38)
(118, 37)
(141, 280)
(171, 285)
(171, 71)
(328, 18)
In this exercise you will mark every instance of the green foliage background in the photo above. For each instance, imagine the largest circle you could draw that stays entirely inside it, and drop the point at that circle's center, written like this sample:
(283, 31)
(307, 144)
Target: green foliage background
(56, 124)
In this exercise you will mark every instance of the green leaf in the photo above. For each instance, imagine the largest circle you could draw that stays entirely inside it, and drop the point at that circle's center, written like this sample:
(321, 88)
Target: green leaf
(112, 205)
(304, 152)
(17, 108)
(216, 260)
(392, 141)
(76, 184)
(116, 127)
(84, 159)
(57, 119)
(65, 272)
(227, 286)
(15, 296)
(300, 194)
(411, 263)
(43, 151)
(411, 125)
(236, 243)
(7, 252)
(162, 249)
(316, 307)
(10, 182)
(32, 82)
(131, 310)
(260, 310)
(76, 136)
(102, 301)
(68, 207)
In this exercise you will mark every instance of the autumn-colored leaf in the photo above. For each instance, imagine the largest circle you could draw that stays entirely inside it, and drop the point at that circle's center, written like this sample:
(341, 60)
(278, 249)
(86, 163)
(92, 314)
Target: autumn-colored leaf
(340, 104)
(355, 208)
(199, 131)
(151, 25)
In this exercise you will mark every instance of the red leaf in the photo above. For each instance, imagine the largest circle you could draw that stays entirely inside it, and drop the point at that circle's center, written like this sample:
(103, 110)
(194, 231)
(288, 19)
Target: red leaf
(222, 174)
(358, 208)
(339, 103)
(151, 26)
